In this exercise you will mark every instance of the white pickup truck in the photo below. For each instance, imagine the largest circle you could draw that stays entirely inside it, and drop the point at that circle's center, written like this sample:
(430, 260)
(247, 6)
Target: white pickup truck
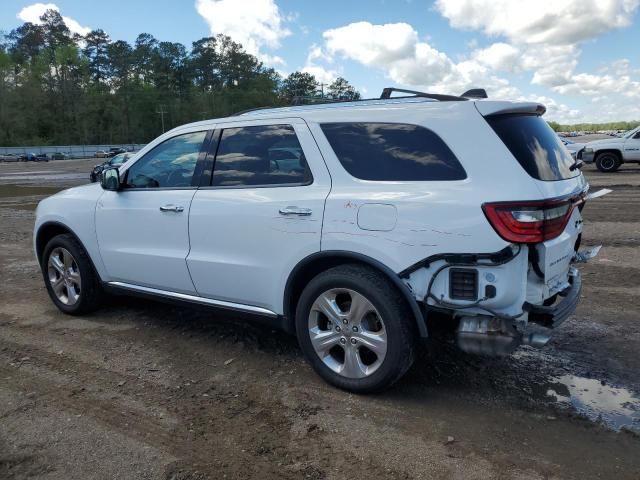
(610, 153)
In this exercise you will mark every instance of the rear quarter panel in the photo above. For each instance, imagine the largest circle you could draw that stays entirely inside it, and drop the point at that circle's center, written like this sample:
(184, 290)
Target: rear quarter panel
(432, 217)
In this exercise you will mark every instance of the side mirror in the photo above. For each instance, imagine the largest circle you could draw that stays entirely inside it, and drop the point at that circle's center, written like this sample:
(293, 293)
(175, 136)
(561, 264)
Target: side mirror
(110, 179)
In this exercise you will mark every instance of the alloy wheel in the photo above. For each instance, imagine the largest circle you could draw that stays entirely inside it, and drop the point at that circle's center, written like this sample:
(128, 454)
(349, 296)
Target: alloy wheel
(347, 333)
(64, 276)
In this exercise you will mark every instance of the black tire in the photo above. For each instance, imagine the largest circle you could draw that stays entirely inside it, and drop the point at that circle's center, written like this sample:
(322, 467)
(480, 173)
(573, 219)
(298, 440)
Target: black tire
(90, 292)
(608, 162)
(399, 325)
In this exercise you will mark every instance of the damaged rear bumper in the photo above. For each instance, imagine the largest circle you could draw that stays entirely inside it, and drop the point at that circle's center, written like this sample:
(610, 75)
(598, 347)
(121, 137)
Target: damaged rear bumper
(554, 315)
(498, 336)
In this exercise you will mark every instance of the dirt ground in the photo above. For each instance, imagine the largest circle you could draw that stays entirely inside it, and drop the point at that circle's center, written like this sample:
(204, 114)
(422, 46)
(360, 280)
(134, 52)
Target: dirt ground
(140, 390)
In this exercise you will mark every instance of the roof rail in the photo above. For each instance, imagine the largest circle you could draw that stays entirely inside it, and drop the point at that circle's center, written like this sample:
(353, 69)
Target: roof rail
(474, 93)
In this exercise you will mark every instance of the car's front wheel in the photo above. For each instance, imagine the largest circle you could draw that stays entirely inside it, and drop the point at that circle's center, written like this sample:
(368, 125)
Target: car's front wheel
(608, 162)
(69, 276)
(355, 328)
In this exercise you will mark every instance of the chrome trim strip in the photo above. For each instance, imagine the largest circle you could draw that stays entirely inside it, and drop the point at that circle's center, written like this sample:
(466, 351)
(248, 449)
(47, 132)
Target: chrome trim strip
(194, 299)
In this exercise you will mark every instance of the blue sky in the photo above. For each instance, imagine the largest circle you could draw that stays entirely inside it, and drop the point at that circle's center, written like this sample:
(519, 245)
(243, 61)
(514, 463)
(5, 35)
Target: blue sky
(579, 57)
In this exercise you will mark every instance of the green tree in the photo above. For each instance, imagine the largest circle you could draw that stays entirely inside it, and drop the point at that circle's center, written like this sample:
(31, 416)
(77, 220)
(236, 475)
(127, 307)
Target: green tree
(343, 90)
(299, 84)
(61, 88)
(97, 44)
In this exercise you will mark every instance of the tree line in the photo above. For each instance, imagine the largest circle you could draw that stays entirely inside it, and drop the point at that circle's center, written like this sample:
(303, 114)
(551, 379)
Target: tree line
(59, 88)
(594, 127)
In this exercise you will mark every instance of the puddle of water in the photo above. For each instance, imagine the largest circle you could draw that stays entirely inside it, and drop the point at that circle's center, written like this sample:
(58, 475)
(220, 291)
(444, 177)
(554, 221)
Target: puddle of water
(20, 191)
(615, 407)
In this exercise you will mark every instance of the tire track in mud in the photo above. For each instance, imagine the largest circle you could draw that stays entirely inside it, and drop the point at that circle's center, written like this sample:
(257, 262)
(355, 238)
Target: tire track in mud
(200, 435)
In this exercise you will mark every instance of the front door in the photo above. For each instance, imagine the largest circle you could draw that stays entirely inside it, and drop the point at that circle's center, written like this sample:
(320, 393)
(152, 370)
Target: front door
(143, 229)
(632, 147)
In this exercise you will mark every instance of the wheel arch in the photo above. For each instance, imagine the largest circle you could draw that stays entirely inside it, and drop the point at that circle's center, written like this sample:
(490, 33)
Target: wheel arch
(615, 151)
(51, 229)
(318, 262)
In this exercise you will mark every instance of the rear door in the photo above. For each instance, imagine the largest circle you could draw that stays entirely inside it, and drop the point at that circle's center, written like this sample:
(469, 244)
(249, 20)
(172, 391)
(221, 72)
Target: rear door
(142, 229)
(261, 214)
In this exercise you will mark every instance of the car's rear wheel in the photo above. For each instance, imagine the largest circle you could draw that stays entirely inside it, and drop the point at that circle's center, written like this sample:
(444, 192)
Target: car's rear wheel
(608, 162)
(355, 329)
(69, 276)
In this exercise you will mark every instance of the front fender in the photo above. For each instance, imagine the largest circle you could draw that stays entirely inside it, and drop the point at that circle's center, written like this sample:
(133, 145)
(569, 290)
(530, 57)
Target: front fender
(73, 210)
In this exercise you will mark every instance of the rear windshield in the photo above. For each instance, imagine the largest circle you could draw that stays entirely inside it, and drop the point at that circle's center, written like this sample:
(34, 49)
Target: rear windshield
(392, 152)
(535, 145)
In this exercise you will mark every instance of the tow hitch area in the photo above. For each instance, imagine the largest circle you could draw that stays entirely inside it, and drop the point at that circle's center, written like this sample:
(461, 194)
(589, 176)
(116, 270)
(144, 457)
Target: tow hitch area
(584, 256)
(495, 336)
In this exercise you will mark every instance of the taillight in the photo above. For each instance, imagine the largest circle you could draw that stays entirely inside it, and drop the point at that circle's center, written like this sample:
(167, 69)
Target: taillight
(530, 222)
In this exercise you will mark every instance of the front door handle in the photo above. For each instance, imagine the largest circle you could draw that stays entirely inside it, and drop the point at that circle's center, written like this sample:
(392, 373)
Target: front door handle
(303, 212)
(171, 208)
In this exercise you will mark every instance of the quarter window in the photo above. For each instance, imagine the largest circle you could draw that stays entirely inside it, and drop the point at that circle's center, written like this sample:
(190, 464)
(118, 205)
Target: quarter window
(169, 165)
(260, 156)
(392, 152)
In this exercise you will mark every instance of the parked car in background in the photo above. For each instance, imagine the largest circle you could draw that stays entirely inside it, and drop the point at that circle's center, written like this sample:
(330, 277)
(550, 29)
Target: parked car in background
(9, 157)
(101, 154)
(32, 157)
(608, 154)
(116, 151)
(116, 161)
(59, 156)
(573, 147)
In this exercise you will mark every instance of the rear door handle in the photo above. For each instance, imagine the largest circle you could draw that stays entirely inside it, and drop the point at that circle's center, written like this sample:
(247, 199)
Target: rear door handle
(171, 208)
(303, 212)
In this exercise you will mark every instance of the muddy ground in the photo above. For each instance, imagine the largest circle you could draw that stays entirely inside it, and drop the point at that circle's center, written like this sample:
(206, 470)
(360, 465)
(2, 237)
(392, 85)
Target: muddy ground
(143, 390)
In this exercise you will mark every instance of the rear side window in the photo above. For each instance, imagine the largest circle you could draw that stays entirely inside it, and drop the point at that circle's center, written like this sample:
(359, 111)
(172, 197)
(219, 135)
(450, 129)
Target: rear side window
(392, 152)
(267, 155)
(535, 146)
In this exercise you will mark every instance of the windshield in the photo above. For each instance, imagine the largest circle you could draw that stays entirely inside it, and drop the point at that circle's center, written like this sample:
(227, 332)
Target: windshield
(535, 146)
(630, 133)
(119, 159)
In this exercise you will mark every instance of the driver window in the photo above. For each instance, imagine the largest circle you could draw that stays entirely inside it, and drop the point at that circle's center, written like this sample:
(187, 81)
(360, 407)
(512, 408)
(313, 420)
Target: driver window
(169, 165)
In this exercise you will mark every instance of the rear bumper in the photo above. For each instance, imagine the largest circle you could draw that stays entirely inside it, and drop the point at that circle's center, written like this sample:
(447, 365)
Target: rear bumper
(554, 315)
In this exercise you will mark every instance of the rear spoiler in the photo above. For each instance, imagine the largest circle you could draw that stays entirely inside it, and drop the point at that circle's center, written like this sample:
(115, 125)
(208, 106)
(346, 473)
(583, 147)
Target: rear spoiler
(505, 108)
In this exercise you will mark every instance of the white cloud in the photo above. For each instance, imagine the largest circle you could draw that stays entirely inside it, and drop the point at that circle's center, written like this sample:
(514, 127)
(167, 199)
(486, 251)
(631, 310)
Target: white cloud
(398, 51)
(372, 45)
(500, 56)
(256, 24)
(323, 74)
(395, 48)
(548, 34)
(32, 13)
(558, 112)
(539, 21)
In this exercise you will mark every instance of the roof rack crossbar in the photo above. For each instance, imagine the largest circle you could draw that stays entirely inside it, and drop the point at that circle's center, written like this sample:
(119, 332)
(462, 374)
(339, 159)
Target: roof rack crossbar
(386, 94)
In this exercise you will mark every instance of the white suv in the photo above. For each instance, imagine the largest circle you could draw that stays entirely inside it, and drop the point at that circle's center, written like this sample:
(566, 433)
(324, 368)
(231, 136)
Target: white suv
(361, 227)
